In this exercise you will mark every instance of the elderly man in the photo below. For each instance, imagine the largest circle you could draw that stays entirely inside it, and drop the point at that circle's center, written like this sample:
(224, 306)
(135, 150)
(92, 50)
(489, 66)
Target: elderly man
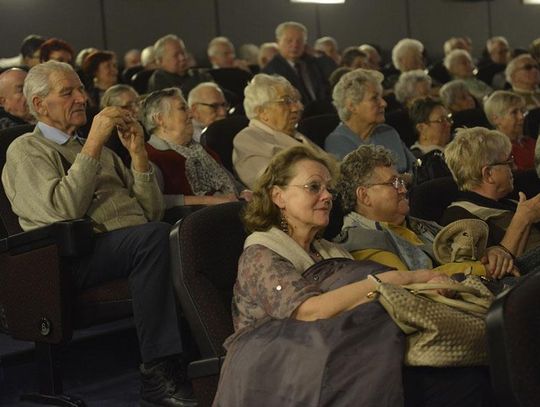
(207, 104)
(374, 58)
(523, 73)
(52, 175)
(267, 52)
(329, 47)
(304, 72)
(407, 55)
(173, 70)
(13, 108)
(29, 55)
(492, 65)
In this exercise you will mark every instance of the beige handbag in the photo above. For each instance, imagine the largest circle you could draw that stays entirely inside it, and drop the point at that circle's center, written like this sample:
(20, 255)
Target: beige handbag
(440, 331)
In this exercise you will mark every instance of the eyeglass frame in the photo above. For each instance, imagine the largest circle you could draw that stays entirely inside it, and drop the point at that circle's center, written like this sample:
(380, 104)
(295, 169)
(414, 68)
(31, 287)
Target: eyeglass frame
(319, 185)
(215, 106)
(448, 119)
(396, 183)
(528, 67)
(287, 100)
(510, 161)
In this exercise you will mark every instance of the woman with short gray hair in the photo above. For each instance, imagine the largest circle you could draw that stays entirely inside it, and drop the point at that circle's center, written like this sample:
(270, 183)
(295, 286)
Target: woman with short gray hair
(460, 65)
(456, 96)
(274, 108)
(412, 85)
(360, 106)
(523, 73)
(481, 164)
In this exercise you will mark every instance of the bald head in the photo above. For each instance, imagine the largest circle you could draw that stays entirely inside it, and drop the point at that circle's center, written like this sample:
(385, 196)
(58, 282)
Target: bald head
(11, 93)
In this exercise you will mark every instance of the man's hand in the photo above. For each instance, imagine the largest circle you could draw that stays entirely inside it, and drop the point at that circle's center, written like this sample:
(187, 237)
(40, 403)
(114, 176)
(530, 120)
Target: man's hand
(498, 263)
(529, 208)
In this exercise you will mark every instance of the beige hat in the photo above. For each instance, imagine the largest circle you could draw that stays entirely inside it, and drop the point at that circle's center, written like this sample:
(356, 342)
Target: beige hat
(462, 240)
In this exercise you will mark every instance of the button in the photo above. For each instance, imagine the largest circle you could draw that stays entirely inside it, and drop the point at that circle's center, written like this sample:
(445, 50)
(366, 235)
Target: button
(278, 288)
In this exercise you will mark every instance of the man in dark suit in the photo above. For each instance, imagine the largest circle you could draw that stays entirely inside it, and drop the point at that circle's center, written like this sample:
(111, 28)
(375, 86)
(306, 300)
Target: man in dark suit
(303, 71)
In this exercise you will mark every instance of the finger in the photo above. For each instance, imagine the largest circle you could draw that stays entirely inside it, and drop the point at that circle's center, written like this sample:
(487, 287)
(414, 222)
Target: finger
(522, 197)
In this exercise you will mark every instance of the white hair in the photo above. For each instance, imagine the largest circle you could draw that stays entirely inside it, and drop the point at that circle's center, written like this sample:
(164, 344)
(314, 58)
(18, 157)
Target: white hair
(159, 46)
(291, 24)
(194, 94)
(513, 66)
(450, 91)
(490, 43)
(260, 90)
(158, 102)
(213, 45)
(405, 87)
(148, 56)
(453, 55)
(499, 103)
(325, 40)
(402, 47)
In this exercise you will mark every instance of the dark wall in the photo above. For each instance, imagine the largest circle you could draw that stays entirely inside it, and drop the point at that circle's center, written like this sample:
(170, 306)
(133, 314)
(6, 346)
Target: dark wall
(123, 24)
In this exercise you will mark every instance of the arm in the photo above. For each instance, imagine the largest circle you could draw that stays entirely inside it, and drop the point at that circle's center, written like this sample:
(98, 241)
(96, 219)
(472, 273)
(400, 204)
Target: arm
(517, 233)
(250, 157)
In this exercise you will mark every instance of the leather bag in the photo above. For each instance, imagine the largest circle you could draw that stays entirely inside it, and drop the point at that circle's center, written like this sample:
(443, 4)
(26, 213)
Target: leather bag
(440, 331)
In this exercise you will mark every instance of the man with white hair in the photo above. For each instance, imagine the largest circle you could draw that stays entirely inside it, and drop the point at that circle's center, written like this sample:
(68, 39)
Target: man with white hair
(523, 73)
(304, 72)
(374, 58)
(13, 107)
(221, 54)
(407, 55)
(267, 52)
(491, 67)
(148, 59)
(173, 70)
(53, 175)
(329, 47)
(207, 104)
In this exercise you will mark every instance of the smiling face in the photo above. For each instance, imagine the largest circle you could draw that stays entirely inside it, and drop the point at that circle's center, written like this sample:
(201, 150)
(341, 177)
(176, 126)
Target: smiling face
(64, 106)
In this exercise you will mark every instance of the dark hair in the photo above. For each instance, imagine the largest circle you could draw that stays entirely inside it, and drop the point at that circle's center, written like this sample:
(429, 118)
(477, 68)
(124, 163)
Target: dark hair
(350, 54)
(54, 44)
(421, 108)
(91, 62)
(31, 44)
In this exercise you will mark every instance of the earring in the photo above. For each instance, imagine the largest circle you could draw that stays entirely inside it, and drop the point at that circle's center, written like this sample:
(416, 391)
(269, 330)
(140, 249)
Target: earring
(283, 224)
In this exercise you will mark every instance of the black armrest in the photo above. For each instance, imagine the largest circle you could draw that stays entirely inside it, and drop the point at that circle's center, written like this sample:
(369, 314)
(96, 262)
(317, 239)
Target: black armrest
(73, 237)
(173, 215)
(205, 367)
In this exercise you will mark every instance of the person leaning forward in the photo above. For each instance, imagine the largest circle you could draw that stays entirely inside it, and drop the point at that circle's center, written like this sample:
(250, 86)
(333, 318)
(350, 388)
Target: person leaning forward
(121, 203)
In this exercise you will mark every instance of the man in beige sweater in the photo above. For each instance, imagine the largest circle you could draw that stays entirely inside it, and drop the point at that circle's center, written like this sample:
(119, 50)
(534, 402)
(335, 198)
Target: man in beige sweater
(51, 174)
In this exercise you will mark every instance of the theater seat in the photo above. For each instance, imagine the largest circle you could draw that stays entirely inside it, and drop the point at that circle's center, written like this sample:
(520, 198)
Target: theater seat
(429, 199)
(140, 80)
(317, 128)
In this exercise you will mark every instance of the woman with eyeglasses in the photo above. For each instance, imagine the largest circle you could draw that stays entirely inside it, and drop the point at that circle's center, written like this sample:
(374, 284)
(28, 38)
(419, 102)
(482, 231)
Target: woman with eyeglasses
(481, 163)
(188, 173)
(506, 112)
(523, 73)
(274, 108)
(305, 332)
(377, 225)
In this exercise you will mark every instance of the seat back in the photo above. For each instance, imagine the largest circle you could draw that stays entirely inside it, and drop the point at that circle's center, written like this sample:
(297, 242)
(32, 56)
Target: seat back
(429, 199)
(317, 128)
(531, 125)
(205, 247)
(233, 79)
(219, 137)
(400, 120)
(513, 329)
(140, 80)
(470, 118)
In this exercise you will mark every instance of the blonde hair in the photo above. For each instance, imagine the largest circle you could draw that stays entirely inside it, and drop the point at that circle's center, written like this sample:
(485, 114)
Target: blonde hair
(499, 103)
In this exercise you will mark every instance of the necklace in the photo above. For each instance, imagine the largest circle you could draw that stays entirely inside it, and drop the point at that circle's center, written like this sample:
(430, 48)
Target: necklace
(314, 253)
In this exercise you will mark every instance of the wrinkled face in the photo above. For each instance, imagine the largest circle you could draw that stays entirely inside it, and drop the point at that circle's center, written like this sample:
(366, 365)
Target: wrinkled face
(211, 106)
(370, 109)
(436, 131)
(511, 121)
(174, 58)
(305, 201)
(499, 53)
(61, 55)
(374, 59)
(64, 106)
(223, 56)
(177, 121)
(463, 101)
(130, 101)
(385, 202)
(527, 74)
(501, 175)
(11, 94)
(291, 43)
(107, 73)
(462, 67)
(284, 112)
(412, 59)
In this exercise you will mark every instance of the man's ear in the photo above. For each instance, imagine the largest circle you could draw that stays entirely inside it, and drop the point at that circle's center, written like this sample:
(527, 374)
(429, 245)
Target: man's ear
(486, 174)
(39, 106)
(277, 197)
(362, 197)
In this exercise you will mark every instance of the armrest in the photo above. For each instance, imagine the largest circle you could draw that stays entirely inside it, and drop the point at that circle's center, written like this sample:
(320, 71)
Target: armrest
(173, 215)
(205, 367)
(73, 238)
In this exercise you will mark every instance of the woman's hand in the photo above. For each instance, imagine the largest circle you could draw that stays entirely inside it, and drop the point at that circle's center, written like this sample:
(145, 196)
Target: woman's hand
(498, 262)
(443, 278)
(529, 209)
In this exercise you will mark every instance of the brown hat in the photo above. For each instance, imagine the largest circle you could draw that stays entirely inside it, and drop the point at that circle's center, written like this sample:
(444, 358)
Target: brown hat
(460, 241)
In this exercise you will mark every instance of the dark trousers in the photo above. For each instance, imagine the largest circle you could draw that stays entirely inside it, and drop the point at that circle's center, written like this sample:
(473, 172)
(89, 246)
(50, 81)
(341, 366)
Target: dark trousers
(140, 253)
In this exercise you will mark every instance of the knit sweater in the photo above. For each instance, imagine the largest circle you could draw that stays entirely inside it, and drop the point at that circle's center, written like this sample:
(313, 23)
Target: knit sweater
(40, 192)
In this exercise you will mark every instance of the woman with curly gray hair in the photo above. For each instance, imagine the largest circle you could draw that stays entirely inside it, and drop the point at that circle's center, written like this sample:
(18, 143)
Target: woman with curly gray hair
(412, 85)
(360, 106)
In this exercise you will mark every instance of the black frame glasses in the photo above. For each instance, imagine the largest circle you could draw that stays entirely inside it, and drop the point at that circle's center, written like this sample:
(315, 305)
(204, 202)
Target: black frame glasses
(509, 161)
(215, 106)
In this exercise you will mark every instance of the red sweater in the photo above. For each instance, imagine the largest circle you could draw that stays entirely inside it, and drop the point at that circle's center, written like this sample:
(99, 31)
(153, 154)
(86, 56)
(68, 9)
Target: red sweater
(523, 152)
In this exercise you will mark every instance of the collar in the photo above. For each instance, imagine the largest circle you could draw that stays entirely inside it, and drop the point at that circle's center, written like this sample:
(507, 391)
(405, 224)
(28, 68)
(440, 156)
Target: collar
(55, 135)
(163, 145)
(267, 129)
(504, 204)
(426, 149)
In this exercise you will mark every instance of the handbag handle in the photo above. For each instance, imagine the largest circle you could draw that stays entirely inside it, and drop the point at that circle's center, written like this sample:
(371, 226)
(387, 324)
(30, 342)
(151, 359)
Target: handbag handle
(460, 288)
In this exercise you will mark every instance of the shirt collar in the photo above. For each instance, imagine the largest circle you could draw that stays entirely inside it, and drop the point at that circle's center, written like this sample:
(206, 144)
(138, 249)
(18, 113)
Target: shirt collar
(56, 135)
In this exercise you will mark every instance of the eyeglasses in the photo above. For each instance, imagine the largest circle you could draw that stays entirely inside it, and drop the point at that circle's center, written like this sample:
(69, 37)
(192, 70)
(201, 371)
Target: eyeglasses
(315, 188)
(215, 106)
(287, 100)
(529, 67)
(396, 183)
(510, 162)
(445, 119)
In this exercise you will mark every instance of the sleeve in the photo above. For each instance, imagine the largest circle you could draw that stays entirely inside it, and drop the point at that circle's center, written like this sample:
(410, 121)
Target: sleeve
(272, 282)
(169, 200)
(39, 190)
(337, 145)
(250, 158)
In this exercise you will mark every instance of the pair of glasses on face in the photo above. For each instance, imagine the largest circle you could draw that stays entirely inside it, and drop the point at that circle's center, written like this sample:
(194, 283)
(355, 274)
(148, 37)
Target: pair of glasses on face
(287, 100)
(445, 119)
(316, 188)
(215, 106)
(397, 183)
(530, 67)
(510, 162)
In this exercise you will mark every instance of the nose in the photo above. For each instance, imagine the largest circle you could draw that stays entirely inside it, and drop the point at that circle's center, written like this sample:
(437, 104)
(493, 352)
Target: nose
(80, 96)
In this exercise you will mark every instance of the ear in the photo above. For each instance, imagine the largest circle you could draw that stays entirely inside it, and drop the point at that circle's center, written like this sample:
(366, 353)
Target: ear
(277, 197)
(39, 106)
(496, 120)
(486, 175)
(262, 113)
(420, 127)
(350, 105)
(362, 197)
(158, 118)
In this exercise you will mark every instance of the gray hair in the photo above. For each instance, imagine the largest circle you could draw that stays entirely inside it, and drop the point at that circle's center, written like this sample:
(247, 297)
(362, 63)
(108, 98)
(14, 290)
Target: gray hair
(194, 97)
(402, 47)
(291, 24)
(356, 170)
(37, 81)
(513, 66)
(499, 103)
(452, 44)
(405, 87)
(148, 56)
(450, 91)
(470, 151)
(260, 90)
(493, 40)
(325, 40)
(110, 97)
(215, 43)
(159, 46)
(158, 102)
(453, 55)
(352, 86)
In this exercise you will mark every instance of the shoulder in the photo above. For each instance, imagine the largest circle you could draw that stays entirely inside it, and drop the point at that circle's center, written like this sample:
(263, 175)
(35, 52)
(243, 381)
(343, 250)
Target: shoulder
(386, 130)
(257, 258)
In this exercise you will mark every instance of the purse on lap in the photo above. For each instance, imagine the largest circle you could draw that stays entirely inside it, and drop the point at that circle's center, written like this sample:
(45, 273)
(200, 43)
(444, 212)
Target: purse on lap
(441, 331)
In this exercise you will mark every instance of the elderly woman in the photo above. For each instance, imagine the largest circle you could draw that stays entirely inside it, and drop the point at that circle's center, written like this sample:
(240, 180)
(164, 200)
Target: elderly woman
(101, 73)
(285, 316)
(274, 108)
(377, 227)
(460, 66)
(189, 174)
(57, 50)
(412, 85)
(360, 106)
(456, 96)
(433, 125)
(481, 163)
(506, 112)
(523, 73)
